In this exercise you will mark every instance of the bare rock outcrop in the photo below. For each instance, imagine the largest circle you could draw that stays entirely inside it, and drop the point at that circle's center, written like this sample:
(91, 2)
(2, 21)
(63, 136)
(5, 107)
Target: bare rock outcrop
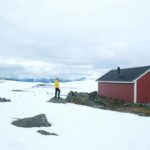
(57, 100)
(36, 121)
(4, 100)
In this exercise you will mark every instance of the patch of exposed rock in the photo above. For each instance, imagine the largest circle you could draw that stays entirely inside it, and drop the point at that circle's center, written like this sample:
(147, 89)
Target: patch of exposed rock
(4, 100)
(43, 132)
(57, 100)
(96, 101)
(18, 90)
(40, 85)
(36, 121)
(82, 98)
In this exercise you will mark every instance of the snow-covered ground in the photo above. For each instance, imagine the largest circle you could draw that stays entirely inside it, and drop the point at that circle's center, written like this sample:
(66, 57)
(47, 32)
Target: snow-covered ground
(79, 127)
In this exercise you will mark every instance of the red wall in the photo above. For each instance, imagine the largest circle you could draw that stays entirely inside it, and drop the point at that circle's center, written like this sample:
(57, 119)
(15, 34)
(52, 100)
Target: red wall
(143, 89)
(122, 91)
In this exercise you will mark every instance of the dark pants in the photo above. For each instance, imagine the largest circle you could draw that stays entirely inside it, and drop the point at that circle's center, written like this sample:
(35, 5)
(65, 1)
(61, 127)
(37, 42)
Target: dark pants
(57, 93)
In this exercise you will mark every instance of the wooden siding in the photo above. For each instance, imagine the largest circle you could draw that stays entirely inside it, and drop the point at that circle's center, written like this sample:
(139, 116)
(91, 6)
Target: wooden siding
(121, 91)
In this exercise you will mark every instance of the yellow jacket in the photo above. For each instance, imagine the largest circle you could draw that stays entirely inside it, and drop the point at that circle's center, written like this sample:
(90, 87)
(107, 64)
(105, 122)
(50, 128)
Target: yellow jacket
(56, 84)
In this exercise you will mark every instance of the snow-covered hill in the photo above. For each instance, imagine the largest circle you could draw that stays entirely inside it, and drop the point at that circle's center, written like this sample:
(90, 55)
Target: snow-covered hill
(79, 127)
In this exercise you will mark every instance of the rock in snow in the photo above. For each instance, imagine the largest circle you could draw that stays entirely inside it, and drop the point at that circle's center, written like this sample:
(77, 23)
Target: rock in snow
(57, 100)
(36, 121)
(4, 100)
(82, 98)
(43, 132)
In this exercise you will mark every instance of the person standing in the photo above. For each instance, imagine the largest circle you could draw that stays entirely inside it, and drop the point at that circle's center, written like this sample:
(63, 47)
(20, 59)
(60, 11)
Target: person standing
(57, 90)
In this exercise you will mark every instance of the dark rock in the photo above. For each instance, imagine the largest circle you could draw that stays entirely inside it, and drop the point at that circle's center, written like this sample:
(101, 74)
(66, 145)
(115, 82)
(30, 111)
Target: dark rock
(71, 96)
(43, 132)
(36, 121)
(93, 99)
(78, 98)
(57, 100)
(18, 91)
(96, 101)
(4, 100)
(40, 85)
(147, 105)
(92, 95)
(82, 98)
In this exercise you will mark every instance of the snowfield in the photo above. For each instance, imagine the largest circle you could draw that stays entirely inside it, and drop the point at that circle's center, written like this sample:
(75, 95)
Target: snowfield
(79, 127)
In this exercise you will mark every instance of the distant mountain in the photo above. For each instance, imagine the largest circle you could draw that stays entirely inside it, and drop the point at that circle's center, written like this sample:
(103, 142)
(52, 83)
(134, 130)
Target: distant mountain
(43, 80)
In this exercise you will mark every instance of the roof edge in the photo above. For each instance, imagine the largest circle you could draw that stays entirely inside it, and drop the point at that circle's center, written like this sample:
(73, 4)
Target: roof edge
(141, 75)
(127, 81)
(114, 82)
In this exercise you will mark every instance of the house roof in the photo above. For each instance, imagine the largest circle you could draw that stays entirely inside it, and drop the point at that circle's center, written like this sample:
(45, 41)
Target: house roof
(125, 75)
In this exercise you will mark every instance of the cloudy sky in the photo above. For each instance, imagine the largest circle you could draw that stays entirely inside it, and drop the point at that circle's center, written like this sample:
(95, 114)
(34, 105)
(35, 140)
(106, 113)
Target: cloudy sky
(72, 38)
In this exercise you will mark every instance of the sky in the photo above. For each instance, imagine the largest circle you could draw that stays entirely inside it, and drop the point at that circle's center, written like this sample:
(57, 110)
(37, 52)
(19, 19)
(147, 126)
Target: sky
(72, 39)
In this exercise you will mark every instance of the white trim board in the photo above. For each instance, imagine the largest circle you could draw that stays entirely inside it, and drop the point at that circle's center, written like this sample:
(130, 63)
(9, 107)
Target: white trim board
(135, 92)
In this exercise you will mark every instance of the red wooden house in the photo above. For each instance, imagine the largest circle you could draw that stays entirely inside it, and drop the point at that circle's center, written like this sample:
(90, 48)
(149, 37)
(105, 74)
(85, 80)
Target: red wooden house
(131, 84)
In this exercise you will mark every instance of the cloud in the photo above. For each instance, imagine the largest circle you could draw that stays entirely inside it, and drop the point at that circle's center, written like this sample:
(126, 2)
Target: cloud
(72, 38)
(40, 69)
